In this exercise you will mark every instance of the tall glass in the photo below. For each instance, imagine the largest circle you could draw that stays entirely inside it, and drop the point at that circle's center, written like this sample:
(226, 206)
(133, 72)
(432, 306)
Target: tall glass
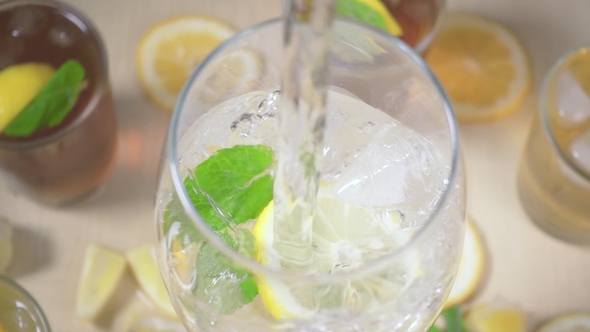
(391, 155)
(554, 176)
(60, 164)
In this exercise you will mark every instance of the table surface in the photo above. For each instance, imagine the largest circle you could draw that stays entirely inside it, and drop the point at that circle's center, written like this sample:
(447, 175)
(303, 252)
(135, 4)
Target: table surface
(526, 267)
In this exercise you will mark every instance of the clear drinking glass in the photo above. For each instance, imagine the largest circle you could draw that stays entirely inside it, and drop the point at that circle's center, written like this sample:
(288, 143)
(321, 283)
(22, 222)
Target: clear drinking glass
(390, 149)
(19, 312)
(554, 176)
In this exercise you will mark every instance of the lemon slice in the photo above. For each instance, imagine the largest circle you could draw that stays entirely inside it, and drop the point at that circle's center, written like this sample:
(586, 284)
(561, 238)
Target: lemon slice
(482, 65)
(19, 85)
(470, 267)
(101, 273)
(495, 318)
(568, 323)
(145, 269)
(5, 244)
(171, 50)
(369, 11)
(344, 237)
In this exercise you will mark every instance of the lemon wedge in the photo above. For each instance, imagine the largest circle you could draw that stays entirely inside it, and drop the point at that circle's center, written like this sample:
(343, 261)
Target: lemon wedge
(482, 65)
(19, 85)
(568, 323)
(470, 267)
(145, 269)
(101, 273)
(344, 237)
(495, 318)
(171, 50)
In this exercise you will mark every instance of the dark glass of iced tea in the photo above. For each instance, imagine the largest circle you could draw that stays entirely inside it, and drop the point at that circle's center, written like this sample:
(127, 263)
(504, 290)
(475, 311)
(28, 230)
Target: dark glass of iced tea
(61, 163)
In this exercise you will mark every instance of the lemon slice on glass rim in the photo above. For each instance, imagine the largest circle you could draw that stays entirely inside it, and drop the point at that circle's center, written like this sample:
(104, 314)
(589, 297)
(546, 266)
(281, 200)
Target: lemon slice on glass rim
(344, 237)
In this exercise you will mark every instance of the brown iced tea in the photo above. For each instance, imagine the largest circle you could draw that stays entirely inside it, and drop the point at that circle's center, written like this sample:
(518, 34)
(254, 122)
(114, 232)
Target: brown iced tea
(60, 164)
(417, 18)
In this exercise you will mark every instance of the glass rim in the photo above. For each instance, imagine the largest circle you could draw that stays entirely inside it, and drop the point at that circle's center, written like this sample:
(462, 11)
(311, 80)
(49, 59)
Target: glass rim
(544, 111)
(373, 266)
(19, 289)
(102, 75)
(429, 37)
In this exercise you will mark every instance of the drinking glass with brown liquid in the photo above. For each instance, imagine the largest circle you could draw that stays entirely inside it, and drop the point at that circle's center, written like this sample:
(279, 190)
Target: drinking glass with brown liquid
(61, 163)
(418, 20)
(554, 176)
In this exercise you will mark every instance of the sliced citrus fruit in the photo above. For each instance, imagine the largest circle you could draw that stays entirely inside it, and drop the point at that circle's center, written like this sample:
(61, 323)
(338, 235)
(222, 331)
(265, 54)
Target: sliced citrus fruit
(145, 269)
(171, 50)
(19, 85)
(482, 65)
(495, 318)
(370, 11)
(101, 273)
(344, 237)
(568, 323)
(470, 267)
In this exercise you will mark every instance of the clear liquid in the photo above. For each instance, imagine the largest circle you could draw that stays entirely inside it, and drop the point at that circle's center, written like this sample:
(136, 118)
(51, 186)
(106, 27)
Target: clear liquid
(369, 160)
(302, 122)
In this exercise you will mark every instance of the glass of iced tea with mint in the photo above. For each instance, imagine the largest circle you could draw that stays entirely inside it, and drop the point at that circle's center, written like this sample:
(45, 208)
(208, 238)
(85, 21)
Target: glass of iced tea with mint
(58, 129)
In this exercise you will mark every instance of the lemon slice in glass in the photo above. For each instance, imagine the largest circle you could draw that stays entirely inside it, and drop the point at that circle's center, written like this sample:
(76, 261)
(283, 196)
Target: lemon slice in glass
(19, 85)
(345, 237)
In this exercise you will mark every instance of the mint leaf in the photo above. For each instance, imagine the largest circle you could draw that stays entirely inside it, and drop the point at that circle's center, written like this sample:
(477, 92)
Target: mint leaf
(360, 11)
(434, 329)
(232, 186)
(221, 285)
(53, 103)
(175, 213)
(454, 320)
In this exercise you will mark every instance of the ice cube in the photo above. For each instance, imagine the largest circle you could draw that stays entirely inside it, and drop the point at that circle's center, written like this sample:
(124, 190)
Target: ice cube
(580, 150)
(392, 170)
(27, 22)
(10, 50)
(63, 33)
(572, 102)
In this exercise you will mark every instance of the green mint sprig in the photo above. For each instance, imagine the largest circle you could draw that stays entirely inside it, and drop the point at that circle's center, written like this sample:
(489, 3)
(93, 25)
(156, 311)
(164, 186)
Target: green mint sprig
(230, 188)
(53, 103)
(453, 320)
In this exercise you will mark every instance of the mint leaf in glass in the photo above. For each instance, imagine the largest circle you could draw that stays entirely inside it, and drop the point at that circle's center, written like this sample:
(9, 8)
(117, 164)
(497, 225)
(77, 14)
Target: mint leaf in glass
(53, 103)
(219, 283)
(232, 186)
